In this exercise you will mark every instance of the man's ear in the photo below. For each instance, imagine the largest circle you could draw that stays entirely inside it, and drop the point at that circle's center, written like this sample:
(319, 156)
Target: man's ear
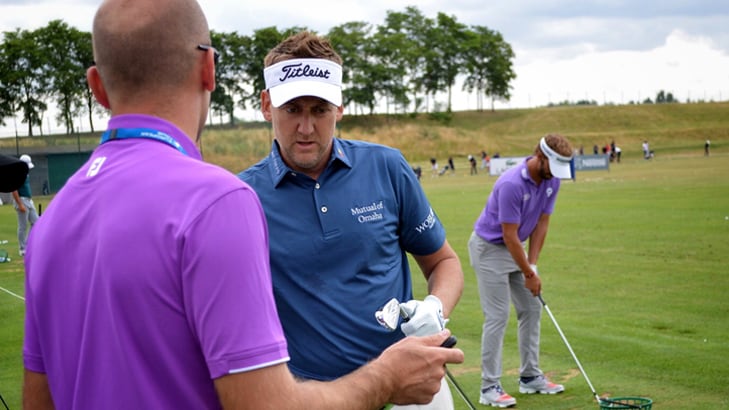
(266, 106)
(97, 87)
(208, 72)
(340, 112)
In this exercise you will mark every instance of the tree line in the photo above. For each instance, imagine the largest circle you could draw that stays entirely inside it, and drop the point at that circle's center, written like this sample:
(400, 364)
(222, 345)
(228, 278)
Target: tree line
(403, 62)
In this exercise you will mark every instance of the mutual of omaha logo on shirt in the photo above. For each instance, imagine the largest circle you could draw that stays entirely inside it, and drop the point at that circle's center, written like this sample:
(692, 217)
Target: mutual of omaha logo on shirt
(369, 213)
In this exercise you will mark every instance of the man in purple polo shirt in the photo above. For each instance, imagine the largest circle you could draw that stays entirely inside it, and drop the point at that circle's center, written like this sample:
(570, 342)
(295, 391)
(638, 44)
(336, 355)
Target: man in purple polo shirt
(147, 280)
(518, 209)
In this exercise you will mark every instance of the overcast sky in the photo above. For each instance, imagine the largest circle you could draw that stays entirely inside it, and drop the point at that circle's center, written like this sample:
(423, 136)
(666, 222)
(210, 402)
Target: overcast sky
(603, 50)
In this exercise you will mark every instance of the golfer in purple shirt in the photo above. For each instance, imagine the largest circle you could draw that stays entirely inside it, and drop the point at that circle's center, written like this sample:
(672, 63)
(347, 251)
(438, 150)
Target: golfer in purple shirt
(517, 210)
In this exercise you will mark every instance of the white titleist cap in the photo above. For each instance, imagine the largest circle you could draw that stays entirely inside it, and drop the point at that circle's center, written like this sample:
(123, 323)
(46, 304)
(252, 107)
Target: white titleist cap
(559, 165)
(26, 158)
(300, 77)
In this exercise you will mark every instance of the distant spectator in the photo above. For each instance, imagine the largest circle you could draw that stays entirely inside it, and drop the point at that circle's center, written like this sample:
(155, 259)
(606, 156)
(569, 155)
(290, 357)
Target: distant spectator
(433, 167)
(582, 150)
(594, 149)
(706, 148)
(485, 160)
(646, 150)
(450, 164)
(472, 160)
(418, 172)
(618, 152)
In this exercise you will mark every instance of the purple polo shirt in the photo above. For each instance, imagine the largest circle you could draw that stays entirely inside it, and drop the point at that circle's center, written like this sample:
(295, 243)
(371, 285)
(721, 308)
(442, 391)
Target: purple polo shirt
(516, 199)
(147, 277)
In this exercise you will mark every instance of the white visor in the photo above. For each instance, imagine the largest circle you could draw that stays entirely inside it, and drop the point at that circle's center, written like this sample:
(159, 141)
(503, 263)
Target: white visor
(559, 165)
(300, 77)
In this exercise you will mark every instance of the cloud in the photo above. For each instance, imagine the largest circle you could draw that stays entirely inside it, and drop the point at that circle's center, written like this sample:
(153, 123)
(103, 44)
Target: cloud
(691, 67)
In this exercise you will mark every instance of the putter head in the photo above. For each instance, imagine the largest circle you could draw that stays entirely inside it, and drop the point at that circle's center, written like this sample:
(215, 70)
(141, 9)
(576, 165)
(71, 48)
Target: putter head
(389, 315)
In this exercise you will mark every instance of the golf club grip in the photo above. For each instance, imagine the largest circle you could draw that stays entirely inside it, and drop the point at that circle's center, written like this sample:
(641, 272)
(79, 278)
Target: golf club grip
(450, 342)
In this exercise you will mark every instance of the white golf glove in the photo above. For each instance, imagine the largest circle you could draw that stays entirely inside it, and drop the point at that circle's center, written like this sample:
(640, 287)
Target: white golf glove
(422, 318)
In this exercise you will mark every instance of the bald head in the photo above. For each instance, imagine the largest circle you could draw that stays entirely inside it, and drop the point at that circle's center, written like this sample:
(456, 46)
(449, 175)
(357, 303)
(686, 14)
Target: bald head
(143, 46)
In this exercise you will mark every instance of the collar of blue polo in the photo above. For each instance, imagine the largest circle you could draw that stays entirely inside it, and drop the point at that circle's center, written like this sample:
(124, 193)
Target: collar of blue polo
(300, 77)
(279, 169)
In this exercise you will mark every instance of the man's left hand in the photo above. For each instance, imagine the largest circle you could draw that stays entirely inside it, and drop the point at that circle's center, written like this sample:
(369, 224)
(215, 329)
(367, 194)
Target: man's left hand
(422, 318)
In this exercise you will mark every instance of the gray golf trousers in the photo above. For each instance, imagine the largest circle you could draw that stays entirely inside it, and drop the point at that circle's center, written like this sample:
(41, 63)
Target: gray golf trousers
(499, 281)
(25, 221)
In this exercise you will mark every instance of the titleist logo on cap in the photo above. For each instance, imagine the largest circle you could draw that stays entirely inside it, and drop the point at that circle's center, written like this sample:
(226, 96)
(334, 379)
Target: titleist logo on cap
(302, 70)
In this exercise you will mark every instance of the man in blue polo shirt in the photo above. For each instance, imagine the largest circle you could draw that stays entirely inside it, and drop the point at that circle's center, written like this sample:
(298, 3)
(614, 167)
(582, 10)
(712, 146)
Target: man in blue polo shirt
(342, 216)
(517, 210)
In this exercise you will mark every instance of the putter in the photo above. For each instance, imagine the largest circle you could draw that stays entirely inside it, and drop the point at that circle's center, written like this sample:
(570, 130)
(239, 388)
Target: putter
(579, 365)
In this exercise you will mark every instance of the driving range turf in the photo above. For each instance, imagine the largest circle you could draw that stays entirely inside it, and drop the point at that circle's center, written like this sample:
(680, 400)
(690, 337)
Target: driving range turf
(634, 270)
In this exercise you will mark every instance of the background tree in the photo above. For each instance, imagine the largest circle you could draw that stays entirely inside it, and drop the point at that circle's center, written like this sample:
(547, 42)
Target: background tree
(447, 39)
(390, 47)
(27, 77)
(350, 40)
(407, 60)
(7, 99)
(487, 60)
(84, 51)
(230, 74)
(66, 60)
(663, 97)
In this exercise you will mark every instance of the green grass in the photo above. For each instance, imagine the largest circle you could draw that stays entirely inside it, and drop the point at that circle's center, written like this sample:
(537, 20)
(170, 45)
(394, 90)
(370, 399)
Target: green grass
(633, 270)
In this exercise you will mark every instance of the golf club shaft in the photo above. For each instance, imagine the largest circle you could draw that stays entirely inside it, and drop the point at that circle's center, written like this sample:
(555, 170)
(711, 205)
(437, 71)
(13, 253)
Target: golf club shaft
(564, 339)
(459, 390)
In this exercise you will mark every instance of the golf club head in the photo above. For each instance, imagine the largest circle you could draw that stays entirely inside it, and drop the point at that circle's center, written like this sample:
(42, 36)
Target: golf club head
(389, 315)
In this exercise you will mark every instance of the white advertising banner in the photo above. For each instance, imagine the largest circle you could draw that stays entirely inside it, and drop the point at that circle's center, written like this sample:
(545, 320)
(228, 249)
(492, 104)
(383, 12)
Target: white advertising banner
(497, 166)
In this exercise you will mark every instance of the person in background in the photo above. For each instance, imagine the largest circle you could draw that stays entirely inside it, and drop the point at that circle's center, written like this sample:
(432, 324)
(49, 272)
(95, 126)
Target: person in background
(517, 210)
(484, 159)
(131, 303)
(646, 150)
(24, 207)
(707, 144)
(474, 169)
(13, 173)
(343, 216)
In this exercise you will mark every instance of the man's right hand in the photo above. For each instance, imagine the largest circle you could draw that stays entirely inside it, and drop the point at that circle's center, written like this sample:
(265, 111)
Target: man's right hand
(534, 284)
(416, 366)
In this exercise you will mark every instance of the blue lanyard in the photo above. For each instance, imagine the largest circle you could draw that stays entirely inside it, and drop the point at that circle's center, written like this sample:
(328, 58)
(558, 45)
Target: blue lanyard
(125, 133)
